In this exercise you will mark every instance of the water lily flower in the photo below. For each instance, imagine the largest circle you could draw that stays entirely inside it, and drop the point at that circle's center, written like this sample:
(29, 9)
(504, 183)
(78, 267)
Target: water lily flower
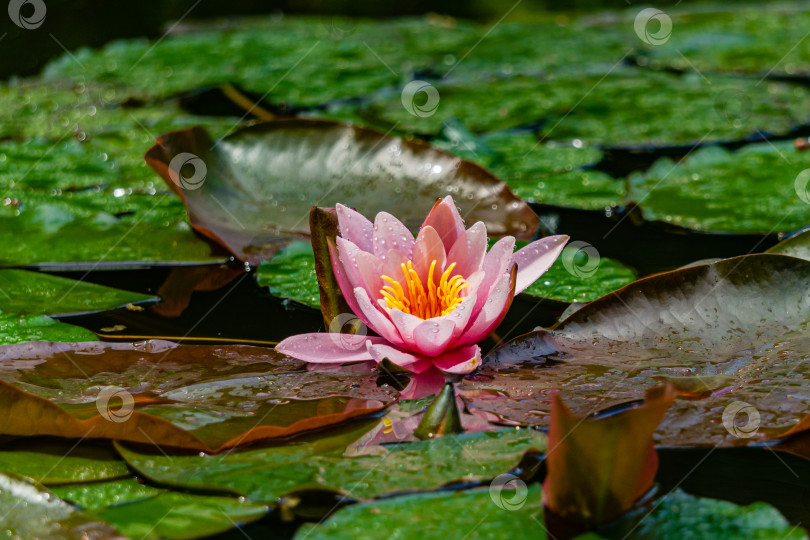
(430, 300)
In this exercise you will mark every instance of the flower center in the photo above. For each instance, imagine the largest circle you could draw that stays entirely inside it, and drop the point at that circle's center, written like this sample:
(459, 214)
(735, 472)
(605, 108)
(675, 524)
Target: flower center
(438, 299)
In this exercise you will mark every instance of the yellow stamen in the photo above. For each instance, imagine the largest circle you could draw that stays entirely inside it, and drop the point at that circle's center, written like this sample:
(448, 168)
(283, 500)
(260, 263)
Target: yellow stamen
(438, 299)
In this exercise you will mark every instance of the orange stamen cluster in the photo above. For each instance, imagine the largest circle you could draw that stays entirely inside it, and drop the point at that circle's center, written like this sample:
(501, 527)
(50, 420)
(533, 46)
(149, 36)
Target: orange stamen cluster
(438, 300)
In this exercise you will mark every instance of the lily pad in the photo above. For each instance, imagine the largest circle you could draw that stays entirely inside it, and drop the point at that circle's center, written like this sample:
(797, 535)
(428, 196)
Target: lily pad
(197, 397)
(306, 61)
(25, 293)
(744, 39)
(29, 511)
(605, 108)
(579, 276)
(291, 274)
(98, 495)
(549, 173)
(53, 463)
(752, 190)
(795, 246)
(258, 185)
(18, 329)
(265, 474)
(728, 335)
(438, 516)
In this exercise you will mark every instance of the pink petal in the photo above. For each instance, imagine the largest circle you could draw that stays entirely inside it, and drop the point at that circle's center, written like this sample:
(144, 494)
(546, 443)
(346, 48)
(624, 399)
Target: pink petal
(405, 323)
(461, 360)
(411, 362)
(346, 287)
(428, 248)
(392, 265)
(445, 219)
(370, 268)
(328, 348)
(492, 312)
(390, 233)
(494, 266)
(461, 315)
(533, 260)
(433, 335)
(354, 226)
(469, 250)
(347, 255)
(374, 317)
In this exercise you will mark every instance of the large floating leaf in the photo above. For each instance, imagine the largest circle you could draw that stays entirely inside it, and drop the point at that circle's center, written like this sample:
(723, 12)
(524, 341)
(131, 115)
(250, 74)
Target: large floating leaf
(724, 334)
(549, 173)
(475, 513)
(745, 39)
(754, 189)
(31, 512)
(679, 515)
(197, 397)
(141, 511)
(264, 474)
(260, 183)
(605, 108)
(291, 274)
(25, 293)
(306, 61)
(17, 329)
(54, 463)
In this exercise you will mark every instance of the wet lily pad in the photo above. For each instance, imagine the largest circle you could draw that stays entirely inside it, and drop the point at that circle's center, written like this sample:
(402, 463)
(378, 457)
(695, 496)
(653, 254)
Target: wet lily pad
(259, 184)
(605, 108)
(745, 39)
(29, 511)
(579, 276)
(549, 173)
(291, 274)
(754, 189)
(25, 293)
(159, 393)
(18, 329)
(332, 57)
(264, 474)
(795, 246)
(728, 335)
(98, 495)
(511, 513)
(54, 463)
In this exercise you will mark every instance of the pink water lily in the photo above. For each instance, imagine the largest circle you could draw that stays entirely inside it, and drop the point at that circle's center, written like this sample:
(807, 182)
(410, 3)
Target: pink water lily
(429, 300)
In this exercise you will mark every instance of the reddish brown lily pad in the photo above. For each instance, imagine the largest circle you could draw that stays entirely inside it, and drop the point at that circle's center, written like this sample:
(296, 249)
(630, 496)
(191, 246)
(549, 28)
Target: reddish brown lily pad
(202, 398)
(732, 337)
(252, 191)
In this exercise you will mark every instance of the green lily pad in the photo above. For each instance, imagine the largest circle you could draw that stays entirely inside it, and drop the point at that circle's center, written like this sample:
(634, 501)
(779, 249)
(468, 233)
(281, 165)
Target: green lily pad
(577, 277)
(306, 61)
(98, 495)
(752, 190)
(606, 108)
(18, 329)
(25, 293)
(142, 511)
(549, 173)
(291, 274)
(742, 39)
(264, 474)
(29, 511)
(438, 516)
(679, 515)
(52, 464)
(180, 516)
